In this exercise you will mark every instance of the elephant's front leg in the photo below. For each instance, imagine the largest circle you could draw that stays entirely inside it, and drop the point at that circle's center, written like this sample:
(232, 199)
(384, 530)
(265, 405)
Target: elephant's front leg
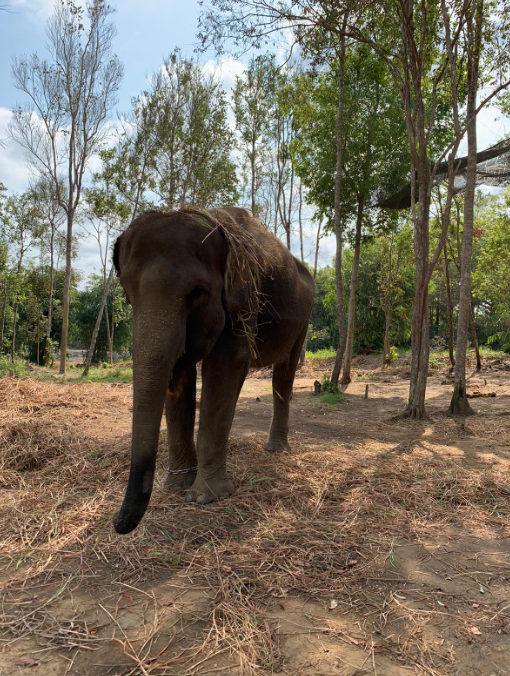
(223, 374)
(180, 408)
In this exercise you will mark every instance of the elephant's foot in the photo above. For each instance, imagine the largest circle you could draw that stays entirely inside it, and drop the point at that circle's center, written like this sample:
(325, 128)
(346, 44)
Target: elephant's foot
(179, 480)
(205, 491)
(277, 445)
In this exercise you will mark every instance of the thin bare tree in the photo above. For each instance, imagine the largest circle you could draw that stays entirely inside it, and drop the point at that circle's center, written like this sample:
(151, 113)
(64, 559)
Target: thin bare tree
(69, 98)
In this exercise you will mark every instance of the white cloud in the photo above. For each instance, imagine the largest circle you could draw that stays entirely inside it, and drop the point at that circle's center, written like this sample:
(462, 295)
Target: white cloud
(327, 247)
(37, 10)
(88, 260)
(225, 71)
(491, 127)
(14, 173)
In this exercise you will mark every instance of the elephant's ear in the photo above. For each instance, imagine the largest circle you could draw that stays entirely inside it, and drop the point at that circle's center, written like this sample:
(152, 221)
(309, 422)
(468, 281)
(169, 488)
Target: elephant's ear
(116, 255)
(237, 293)
(242, 304)
(246, 265)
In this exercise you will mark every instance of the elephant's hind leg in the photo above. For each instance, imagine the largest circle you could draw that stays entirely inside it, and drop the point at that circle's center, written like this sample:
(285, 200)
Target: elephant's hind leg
(283, 380)
(180, 408)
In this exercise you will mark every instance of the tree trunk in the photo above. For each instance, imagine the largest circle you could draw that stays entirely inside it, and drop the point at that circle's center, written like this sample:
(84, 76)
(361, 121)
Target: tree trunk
(387, 337)
(338, 220)
(252, 160)
(316, 260)
(301, 221)
(107, 322)
(66, 295)
(450, 305)
(315, 264)
(92, 347)
(459, 404)
(38, 340)
(388, 311)
(14, 321)
(2, 326)
(289, 214)
(475, 340)
(420, 323)
(112, 327)
(346, 375)
(46, 358)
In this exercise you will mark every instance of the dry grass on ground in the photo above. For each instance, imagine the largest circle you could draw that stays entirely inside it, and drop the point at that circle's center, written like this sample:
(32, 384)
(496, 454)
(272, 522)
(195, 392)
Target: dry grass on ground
(385, 555)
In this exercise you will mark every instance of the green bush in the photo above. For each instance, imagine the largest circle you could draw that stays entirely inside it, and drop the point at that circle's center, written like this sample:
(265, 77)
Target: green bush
(19, 369)
(326, 353)
(393, 354)
(328, 387)
(330, 399)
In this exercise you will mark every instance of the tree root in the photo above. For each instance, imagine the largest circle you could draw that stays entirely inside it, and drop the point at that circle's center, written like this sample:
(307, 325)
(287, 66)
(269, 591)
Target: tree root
(459, 404)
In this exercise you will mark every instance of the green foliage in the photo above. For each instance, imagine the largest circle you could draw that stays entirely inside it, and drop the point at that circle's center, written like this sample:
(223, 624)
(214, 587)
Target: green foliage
(321, 354)
(85, 313)
(176, 147)
(252, 102)
(183, 130)
(17, 370)
(108, 374)
(393, 354)
(375, 154)
(328, 387)
(500, 339)
(330, 400)
(491, 276)
(385, 284)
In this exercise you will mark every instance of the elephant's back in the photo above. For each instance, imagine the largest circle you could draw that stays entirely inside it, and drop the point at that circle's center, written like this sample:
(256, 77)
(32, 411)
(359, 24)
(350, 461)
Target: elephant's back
(274, 249)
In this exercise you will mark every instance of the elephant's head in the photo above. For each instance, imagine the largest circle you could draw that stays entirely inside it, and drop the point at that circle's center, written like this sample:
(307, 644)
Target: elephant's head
(172, 268)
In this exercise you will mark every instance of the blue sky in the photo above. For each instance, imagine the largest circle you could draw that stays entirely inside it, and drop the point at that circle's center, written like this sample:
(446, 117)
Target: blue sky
(148, 30)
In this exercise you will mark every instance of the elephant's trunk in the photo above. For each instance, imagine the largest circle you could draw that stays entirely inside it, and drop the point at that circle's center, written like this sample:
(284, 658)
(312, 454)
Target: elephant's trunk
(157, 343)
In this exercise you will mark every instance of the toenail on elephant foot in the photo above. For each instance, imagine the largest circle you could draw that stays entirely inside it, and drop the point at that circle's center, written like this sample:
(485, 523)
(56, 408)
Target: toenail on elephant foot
(203, 492)
(277, 445)
(179, 482)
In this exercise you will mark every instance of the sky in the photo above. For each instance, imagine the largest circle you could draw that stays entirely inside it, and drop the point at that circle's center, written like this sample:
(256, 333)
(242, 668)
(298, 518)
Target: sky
(148, 30)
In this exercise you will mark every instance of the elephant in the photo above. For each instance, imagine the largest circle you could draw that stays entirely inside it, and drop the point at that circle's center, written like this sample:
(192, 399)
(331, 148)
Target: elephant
(214, 287)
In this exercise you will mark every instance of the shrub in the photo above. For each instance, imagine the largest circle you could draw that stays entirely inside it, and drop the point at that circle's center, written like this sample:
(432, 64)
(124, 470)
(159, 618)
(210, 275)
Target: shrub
(329, 387)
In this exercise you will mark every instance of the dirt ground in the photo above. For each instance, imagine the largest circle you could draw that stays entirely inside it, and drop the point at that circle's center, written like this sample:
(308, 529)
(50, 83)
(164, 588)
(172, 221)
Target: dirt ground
(376, 546)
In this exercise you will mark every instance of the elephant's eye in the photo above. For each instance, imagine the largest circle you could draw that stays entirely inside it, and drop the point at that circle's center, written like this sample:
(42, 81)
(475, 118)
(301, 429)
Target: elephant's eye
(198, 296)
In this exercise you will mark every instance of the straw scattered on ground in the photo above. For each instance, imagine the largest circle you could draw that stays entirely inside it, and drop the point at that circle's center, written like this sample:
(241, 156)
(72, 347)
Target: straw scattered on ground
(324, 544)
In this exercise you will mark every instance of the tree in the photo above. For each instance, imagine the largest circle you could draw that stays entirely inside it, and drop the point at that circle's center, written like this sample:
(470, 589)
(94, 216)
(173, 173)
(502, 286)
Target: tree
(69, 96)
(107, 217)
(86, 311)
(342, 336)
(185, 123)
(251, 103)
(3, 264)
(491, 283)
(474, 27)
(23, 230)
(395, 282)
(43, 197)
(406, 34)
(373, 154)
